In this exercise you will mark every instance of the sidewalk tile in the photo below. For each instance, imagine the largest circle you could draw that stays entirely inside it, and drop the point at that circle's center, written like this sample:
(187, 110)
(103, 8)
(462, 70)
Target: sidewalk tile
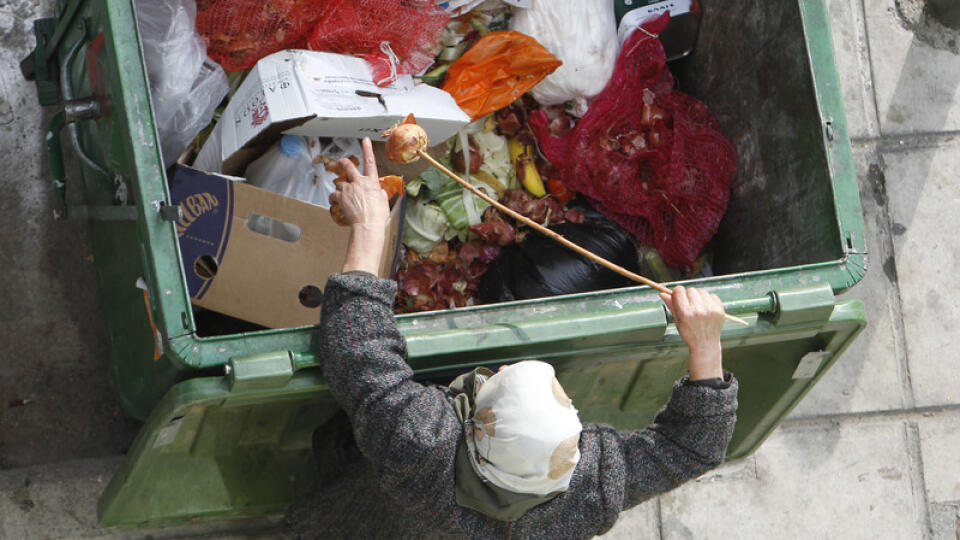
(60, 501)
(53, 501)
(945, 521)
(639, 523)
(924, 202)
(836, 481)
(917, 85)
(939, 441)
(853, 65)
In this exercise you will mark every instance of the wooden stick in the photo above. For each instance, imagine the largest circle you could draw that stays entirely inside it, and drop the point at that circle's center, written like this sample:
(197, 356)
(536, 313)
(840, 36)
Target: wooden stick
(559, 238)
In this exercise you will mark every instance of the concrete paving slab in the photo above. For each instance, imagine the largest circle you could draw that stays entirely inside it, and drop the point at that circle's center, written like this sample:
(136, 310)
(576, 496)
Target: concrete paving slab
(60, 501)
(924, 198)
(639, 523)
(75, 412)
(54, 344)
(912, 96)
(939, 441)
(945, 521)
(834, 481)
(868, 375)
(849, 33)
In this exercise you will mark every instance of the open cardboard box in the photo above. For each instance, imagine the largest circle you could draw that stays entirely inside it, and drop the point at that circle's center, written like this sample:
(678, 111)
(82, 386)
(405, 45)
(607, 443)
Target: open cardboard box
(322, 94)
(232, 269)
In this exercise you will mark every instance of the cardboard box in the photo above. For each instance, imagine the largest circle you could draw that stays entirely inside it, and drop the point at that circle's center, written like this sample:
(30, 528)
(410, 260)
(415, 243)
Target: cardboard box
(231, 269)
(326, 95)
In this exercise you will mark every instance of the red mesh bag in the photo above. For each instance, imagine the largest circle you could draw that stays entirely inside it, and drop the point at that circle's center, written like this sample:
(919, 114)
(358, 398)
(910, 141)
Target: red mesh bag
(240, 32)
(647, 156)
(379, 29)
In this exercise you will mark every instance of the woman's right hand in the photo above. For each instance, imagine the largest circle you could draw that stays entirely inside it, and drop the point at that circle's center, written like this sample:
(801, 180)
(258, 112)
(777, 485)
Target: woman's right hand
(361, 199)
(365, 208)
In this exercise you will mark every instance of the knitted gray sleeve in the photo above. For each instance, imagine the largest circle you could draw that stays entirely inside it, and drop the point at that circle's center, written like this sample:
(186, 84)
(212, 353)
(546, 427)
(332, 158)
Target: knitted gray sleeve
(688, 438)
(408, 431)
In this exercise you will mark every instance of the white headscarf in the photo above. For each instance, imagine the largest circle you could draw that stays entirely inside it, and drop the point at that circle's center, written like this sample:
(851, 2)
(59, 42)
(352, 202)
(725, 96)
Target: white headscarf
(525, 431)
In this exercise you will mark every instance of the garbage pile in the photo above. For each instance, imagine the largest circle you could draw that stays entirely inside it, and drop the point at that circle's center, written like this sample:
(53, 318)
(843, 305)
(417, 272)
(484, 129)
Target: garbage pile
(541, 104)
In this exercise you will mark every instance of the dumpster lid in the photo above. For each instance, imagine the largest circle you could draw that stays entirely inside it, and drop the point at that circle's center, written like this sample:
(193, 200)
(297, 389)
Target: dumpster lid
(240, 445)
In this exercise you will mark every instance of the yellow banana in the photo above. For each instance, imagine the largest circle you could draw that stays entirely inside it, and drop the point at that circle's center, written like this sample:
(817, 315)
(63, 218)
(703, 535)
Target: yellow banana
(522, 157)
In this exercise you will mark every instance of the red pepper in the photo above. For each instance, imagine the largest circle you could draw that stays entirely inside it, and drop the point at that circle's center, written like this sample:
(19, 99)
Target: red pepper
(557, 189)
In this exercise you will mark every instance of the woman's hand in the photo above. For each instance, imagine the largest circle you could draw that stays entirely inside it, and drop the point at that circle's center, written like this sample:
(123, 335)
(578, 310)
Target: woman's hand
(699, 316)
(365, 207)
(360, 197)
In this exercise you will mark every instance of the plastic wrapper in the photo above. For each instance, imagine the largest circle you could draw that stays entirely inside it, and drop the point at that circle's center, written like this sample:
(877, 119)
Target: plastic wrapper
(460, 7)
(497, 70)
(292, 167)
(648, 157)
(185, 85)
(580, 33)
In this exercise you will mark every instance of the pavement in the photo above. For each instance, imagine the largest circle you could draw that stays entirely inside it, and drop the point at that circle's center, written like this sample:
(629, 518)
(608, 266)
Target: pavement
(871, 452)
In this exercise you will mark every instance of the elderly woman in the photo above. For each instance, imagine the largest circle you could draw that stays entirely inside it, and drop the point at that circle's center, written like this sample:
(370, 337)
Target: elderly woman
(492, 455)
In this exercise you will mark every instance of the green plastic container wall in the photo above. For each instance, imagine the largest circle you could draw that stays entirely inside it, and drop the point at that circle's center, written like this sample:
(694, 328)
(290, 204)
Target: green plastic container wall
(794, 218)
(217, 447)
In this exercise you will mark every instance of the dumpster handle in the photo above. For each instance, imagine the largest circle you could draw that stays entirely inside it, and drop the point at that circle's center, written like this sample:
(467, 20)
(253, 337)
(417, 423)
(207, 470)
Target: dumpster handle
(72, 111)
(75, 110)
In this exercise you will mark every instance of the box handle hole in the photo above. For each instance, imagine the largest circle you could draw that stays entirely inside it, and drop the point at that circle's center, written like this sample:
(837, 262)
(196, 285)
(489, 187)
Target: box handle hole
(311, 296)
(205, 266)
(274, 228)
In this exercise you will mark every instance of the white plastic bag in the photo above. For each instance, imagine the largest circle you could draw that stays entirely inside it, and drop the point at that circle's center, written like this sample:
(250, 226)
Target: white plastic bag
(582, 34)
(185, 85)
(459, 7)
(292, 168)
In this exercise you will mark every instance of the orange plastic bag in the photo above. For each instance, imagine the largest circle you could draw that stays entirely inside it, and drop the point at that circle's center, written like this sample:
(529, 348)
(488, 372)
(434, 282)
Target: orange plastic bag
(497, 70)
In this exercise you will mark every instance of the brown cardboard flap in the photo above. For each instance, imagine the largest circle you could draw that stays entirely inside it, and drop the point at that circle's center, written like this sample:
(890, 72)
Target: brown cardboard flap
(237, 162)
(260, 278)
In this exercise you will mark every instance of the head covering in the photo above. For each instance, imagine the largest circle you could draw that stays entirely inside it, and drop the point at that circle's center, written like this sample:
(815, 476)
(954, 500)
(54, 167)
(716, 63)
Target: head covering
(524, 432)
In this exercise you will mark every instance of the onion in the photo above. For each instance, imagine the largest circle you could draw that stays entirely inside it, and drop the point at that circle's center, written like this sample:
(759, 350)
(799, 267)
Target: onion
(405, 143)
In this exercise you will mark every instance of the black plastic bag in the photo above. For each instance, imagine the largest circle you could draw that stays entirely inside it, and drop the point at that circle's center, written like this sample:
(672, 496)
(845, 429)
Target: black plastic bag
(539, 266)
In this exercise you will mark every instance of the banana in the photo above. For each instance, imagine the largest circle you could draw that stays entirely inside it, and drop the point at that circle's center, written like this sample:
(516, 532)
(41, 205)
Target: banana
(522, 157)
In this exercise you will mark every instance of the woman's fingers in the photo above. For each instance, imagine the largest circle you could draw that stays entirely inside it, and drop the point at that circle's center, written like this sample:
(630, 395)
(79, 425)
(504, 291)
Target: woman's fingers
(352, 173)
(681, 302)
(717, 303)
(668, 300)
(369, 165)
(369, 159)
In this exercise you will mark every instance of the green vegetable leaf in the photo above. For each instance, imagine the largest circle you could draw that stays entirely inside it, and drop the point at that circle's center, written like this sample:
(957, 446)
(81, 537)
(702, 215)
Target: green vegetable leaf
(435, 180)
(425, 225)
(413, 186)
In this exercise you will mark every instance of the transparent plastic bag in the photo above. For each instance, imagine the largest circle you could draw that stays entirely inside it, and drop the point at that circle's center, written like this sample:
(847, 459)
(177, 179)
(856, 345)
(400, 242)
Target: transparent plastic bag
(293, 168)
(185, 85)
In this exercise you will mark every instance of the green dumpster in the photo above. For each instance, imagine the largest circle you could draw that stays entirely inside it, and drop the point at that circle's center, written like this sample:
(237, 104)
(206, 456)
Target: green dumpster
(229, 417)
